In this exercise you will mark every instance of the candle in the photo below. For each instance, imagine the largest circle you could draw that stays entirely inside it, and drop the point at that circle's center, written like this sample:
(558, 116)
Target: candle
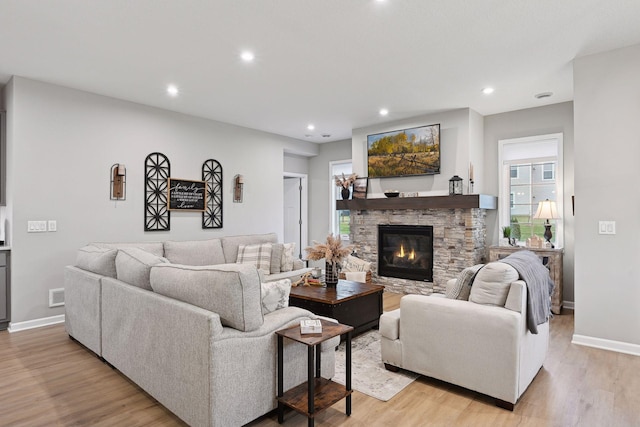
(470, 171)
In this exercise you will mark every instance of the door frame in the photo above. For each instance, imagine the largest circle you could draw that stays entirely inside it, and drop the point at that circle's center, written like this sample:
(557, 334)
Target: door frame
(304, 209)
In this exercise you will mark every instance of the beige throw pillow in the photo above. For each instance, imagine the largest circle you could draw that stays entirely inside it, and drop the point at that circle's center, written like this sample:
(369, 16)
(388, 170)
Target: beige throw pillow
(257, 255)
(287, 257)
(492, 283)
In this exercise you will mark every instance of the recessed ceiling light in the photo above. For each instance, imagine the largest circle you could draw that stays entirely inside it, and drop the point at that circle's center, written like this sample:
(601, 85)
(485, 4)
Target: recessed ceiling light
(172, 90)
(543, 95)
(383, 111)
(247, 56)
(310, 126)
(488, 90)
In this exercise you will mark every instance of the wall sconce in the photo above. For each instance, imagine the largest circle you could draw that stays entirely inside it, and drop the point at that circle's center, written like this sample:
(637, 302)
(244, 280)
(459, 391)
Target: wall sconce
(238, 183)
(118, 182)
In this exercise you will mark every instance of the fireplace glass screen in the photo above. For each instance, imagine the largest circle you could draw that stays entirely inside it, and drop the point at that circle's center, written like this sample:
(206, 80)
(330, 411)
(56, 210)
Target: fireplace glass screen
(406, 252)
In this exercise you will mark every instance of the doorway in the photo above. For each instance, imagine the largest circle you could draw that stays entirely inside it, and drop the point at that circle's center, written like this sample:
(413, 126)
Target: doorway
(295, 210)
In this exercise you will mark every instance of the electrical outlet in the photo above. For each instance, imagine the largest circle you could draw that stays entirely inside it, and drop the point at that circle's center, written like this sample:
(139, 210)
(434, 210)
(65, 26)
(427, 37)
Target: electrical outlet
(53, 225)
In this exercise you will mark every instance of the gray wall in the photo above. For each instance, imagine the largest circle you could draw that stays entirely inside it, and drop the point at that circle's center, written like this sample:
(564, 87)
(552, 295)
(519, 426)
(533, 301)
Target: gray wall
(607, 151)
(62, 143)
(556, 118)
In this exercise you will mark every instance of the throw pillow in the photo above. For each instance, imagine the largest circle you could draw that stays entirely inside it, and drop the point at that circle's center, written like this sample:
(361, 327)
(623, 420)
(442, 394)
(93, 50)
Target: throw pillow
(275, 295)
(462, 287)
(230, 290)
(97, 260)
(195, 252)
(256, 255)
(352, 263)
(287, 257)
(276, 257)
(133, 266)
(492, 283)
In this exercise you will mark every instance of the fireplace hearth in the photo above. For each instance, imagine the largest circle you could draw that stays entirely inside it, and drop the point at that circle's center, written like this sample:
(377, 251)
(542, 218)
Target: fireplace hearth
(406, 252)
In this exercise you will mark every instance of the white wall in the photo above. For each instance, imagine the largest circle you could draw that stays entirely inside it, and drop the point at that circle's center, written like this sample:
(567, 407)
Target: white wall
(459, 131)
(607, 152)
(61, 146)
(555, 118)
(294, 163)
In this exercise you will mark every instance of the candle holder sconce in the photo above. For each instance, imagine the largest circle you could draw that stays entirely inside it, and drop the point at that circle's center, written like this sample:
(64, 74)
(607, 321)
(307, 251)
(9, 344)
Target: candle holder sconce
(238, 184)
(118, 187)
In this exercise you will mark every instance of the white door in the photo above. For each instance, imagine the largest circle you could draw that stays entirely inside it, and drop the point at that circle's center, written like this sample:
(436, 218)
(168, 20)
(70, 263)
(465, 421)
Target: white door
(295, 221)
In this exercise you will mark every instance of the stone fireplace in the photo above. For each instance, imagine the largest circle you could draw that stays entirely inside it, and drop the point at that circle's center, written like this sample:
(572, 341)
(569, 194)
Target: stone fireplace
(459, 234)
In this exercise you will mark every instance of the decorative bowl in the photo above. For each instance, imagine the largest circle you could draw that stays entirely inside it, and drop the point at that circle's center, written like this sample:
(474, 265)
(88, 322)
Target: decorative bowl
(392, 193)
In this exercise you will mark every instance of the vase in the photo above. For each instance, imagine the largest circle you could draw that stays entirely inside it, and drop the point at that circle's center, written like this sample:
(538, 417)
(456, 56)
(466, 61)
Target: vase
(331, 275)
(345, 193)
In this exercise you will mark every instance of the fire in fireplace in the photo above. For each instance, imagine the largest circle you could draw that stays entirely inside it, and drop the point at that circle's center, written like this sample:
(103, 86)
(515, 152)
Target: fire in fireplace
(406, 251)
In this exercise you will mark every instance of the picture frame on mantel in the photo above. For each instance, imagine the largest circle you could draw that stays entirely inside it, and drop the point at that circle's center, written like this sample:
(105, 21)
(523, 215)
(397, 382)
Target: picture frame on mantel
(360, 187)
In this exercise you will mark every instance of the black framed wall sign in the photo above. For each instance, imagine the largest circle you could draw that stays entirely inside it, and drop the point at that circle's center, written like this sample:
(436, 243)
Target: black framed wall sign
(186, 195)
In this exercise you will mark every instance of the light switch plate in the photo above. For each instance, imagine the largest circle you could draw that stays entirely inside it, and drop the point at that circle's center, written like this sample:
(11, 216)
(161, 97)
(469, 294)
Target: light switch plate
(36, 226)
(606, 227)
(53, 225)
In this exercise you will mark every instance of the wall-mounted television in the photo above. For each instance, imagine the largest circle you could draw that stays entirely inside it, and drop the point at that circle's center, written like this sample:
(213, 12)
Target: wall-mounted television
(405, 152)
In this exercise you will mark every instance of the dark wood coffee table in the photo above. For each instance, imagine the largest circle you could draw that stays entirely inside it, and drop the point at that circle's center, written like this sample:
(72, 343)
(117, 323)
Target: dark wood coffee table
(350, 303)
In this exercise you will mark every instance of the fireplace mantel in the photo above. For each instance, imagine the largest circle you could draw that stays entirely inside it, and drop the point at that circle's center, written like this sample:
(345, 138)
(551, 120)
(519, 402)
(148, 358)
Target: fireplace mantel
(467, 201)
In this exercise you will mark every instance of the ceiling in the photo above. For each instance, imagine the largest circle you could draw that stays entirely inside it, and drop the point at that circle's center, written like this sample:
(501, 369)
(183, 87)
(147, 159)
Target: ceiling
(333, 63)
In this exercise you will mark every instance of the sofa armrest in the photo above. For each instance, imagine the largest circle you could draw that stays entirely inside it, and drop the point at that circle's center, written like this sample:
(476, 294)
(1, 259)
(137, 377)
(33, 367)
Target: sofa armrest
(82, 320)
(517, 297)
(390, 324)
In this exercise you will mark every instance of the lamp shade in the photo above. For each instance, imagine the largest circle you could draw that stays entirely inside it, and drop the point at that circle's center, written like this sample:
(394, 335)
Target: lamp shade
(547, 209)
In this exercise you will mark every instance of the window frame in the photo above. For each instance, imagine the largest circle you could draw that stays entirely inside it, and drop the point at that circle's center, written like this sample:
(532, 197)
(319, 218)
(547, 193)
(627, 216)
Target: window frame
(333, 197)
(504, 200)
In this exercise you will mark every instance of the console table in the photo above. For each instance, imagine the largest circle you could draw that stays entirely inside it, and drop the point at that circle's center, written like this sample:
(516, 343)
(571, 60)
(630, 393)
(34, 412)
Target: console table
(550, 258)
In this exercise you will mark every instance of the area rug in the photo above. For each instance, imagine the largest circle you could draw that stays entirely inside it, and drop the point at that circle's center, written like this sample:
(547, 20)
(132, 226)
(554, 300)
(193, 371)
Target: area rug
(368, 374)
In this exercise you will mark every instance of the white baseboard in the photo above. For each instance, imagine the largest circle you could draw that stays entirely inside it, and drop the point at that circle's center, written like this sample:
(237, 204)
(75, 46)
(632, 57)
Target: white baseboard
(569, 305)
(36, 323)
(617, 346)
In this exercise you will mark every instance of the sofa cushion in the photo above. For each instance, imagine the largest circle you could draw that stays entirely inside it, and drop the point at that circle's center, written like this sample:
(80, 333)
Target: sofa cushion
(492, 283)
(276, 257)
(275, 295)
(231, 290)
(133, 266)
(257, 255)
(462, 287)
(195, 252)
(231, 244)
(97, 260)
(155, 248)
(287, 257)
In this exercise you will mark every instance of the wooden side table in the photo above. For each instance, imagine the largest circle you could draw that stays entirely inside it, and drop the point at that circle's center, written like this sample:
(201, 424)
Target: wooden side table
(550, 258)
(317, 393)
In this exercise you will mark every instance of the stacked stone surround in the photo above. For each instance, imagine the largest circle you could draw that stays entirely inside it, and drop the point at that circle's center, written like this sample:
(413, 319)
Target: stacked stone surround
(459, 237)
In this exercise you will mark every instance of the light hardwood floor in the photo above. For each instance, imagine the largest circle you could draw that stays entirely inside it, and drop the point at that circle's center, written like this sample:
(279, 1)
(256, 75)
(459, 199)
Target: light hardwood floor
(46, 379)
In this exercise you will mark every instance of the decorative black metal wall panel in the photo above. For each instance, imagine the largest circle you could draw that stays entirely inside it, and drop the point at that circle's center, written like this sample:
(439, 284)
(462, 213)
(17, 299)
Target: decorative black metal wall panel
(212, 175)
(157, 172)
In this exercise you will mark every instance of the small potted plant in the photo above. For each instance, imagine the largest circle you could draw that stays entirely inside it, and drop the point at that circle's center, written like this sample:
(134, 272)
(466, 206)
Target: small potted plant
(506, 236)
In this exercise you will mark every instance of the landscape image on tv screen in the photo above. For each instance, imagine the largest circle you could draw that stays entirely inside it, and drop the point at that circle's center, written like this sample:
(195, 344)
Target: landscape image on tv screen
(414, 151)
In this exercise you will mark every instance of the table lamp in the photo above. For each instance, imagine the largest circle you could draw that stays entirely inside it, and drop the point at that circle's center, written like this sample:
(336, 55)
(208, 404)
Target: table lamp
(547, 210)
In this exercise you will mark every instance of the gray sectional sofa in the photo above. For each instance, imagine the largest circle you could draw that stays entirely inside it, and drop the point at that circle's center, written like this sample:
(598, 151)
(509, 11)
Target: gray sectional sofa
(187, 324)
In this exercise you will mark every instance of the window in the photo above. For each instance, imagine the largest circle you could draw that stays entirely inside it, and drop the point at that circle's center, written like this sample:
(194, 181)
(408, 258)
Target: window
(530, 173)
(340, 220)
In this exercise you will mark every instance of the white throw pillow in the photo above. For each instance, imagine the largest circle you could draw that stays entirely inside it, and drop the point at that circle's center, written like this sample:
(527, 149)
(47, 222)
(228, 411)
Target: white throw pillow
(275, 295)
(257, 255)
(287, 257)
(492, 283)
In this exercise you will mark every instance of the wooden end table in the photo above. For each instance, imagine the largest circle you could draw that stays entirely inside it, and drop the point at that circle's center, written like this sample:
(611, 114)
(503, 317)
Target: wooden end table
(317, 393)
(351, 303)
